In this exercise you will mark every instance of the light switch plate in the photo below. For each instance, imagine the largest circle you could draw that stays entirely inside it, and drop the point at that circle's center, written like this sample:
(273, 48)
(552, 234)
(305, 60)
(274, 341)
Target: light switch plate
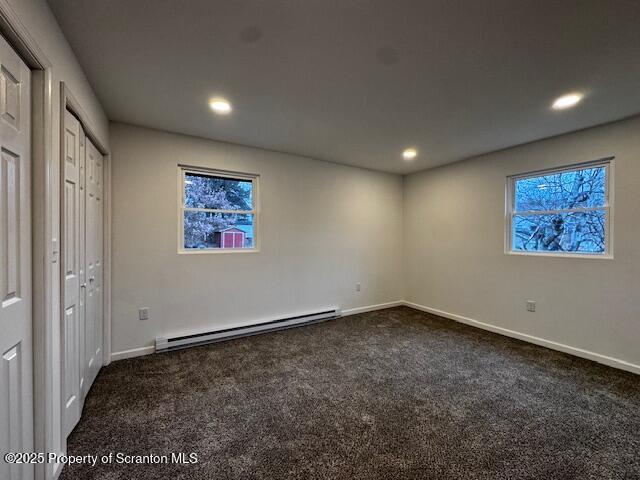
(54, 250)
(143, 313)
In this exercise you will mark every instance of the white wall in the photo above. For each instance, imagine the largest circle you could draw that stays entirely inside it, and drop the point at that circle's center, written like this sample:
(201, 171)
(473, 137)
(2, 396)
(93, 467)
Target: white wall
(454, 248)
(323, 228)
(37, 19)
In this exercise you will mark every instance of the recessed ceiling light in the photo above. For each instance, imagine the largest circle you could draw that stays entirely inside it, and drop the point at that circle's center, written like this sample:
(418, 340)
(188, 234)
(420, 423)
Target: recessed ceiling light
(567, 101)
(409, 154)
(220, 106)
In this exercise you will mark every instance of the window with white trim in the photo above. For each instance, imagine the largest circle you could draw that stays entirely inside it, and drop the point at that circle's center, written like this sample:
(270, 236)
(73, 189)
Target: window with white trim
(561, 211)
(217, 211)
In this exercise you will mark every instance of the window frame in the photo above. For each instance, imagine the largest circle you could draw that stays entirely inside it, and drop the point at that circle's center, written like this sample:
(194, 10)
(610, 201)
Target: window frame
(183, 170)
(608, 164)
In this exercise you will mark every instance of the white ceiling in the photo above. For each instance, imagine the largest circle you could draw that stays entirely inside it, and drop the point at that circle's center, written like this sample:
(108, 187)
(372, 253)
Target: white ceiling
(354, 81)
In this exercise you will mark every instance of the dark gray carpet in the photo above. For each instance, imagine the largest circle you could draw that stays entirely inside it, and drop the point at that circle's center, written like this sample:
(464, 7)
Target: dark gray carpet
(393, 394)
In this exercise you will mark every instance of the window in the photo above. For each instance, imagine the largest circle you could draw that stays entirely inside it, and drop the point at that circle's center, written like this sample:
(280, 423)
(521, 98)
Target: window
(561, 211)
(217, 211)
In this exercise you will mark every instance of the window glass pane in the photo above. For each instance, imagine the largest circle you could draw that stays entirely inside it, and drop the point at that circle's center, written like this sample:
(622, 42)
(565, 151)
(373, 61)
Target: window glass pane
(562, 190)
(205, 191)
(563, 232)
(218, 230)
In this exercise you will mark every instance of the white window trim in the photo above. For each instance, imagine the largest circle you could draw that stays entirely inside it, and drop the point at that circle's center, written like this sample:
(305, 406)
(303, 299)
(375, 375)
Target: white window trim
(608, 163)
(182, 171)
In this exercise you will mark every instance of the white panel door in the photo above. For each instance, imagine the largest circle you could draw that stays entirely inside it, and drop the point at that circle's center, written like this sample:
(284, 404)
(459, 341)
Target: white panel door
(72, 278)
(82, 269)
(16, 368)
(94, 201)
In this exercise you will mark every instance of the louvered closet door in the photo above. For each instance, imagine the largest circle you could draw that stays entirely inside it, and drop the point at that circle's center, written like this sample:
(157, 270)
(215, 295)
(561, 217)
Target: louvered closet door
(94, 267)
(16, 374)
(72, 273)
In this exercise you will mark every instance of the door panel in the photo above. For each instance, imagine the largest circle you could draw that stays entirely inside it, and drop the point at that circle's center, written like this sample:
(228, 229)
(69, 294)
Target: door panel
(16, 367)
(71, 274)
(81, 267)
(93, 261)
(99, 260)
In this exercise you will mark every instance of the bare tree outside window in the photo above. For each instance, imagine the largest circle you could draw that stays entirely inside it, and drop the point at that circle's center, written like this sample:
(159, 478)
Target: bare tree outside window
(561, 211)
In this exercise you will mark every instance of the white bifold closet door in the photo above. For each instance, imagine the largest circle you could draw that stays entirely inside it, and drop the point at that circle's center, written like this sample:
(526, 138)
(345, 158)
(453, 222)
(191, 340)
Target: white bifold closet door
(72, 274)
(16, 373)
(93, 263)
(82, 261)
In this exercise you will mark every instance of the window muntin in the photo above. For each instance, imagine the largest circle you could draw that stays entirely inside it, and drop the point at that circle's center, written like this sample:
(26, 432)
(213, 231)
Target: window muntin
(217, 211)
(561, 211)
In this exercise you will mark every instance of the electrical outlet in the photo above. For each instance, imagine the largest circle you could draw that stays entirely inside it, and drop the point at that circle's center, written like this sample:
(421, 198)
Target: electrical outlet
(358, 287)
(531, 306)
(143, 313)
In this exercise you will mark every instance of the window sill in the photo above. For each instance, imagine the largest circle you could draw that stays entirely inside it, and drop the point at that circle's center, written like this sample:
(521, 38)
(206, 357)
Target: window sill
(201, 251)
(607, 256)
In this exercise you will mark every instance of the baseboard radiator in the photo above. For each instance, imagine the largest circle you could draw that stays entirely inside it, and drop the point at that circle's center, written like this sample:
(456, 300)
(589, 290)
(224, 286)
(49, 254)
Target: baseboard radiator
(165, 344)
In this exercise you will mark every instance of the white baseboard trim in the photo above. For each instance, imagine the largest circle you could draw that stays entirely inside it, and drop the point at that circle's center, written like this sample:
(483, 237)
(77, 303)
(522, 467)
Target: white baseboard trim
(371, 308)
(134, 352)
(140, 351)
(578, 352)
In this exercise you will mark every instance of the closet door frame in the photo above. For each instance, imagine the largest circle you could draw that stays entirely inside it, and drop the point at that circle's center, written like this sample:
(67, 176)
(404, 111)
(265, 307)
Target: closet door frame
(69, 103)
